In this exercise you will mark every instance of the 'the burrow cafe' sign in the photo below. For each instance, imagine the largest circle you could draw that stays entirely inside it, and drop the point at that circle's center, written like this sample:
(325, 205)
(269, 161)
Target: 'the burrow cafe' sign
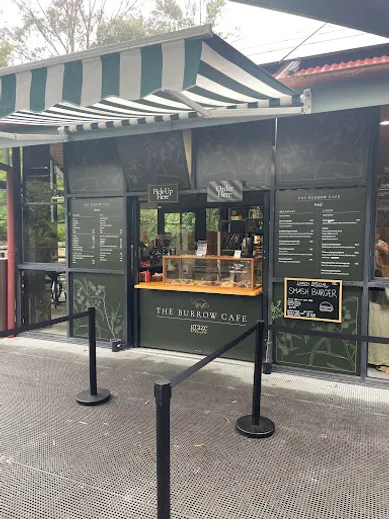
(163, 193)
(201, 315)
(225, 191)
(196, 322)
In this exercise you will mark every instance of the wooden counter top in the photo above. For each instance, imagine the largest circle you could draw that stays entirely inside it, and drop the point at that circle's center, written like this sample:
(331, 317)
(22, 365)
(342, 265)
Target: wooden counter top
(199, 289)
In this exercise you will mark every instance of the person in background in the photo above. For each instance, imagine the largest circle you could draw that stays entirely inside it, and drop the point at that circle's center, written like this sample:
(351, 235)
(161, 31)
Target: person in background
(381, 250)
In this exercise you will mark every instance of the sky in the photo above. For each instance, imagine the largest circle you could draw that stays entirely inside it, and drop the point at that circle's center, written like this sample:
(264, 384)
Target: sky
(267, 36)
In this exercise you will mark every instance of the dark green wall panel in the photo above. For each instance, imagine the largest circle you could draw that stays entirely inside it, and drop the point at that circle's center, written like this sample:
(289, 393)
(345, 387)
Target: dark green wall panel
(94, 167)
(196, 322)
(315, 352)
(157, 158)
(326, 149)
(236, 152)
(105, 292)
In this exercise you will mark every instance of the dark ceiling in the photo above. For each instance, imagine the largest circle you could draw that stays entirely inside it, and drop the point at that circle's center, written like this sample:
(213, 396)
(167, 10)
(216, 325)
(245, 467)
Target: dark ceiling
(365, 15)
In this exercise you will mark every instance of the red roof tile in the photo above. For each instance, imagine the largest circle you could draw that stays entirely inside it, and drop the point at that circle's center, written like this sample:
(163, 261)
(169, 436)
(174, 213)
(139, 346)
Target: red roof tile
(342, 66)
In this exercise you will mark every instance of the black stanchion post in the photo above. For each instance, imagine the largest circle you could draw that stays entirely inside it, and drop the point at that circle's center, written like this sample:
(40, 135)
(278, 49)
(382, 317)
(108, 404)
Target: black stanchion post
(93, 395)
(255, 425)
(256, 414)
(92, 351)
(163, 391)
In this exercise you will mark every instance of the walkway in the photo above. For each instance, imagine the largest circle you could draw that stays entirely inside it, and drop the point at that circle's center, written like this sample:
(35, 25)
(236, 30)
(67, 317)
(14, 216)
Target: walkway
(328, 458)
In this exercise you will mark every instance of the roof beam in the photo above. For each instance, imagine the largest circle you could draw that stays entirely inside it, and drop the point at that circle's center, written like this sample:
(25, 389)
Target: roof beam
(33, 137)
(188, 102)
(6, 167)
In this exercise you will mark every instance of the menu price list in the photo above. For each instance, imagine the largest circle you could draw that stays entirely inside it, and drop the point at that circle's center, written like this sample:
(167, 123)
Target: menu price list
(97, 233)
(319, 233)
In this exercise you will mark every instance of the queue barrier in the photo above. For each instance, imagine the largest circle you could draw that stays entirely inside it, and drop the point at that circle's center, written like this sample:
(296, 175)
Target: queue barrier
(253, 426)
(93, 395)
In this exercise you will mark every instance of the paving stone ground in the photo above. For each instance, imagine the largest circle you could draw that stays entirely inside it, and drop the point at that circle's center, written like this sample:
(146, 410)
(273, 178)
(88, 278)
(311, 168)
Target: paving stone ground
(328, 459)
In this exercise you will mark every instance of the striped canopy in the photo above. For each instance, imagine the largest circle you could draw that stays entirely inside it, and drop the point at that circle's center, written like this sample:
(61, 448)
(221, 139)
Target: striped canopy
(181, 75)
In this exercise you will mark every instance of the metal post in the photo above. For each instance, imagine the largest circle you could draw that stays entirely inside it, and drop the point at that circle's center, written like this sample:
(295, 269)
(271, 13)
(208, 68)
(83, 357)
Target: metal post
(93, 395)
(92, 351)
(11, 244)
(256, 414)
(255, 425)
(162, 392)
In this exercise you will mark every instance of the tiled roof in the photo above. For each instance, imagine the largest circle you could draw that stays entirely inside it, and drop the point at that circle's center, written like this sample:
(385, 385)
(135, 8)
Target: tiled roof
(342, 66)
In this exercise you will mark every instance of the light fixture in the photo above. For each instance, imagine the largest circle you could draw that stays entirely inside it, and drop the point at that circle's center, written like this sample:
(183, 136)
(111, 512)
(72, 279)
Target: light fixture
(384, 123)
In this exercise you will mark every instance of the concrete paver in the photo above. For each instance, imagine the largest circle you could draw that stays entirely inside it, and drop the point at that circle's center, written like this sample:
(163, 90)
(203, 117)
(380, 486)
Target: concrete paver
(58, 460)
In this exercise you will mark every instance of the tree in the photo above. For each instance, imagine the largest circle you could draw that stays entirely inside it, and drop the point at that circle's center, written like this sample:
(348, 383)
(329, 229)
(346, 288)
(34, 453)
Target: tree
(5, 53)
(65, 26)
(62, 26)
(167, 16)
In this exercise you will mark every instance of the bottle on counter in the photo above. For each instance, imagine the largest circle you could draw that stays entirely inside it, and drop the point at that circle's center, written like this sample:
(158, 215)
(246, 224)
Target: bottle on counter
(147, 276)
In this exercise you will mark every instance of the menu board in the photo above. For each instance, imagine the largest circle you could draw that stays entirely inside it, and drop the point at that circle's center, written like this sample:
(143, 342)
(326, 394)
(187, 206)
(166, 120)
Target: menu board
(313, 300)
(320, 233)
(97, 233)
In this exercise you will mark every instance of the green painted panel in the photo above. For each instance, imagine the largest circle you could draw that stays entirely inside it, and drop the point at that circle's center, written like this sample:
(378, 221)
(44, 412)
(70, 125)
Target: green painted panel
(105, 292)
(158, 158)
(327, 148)
(151, 69)
(110, 75)
(192, 61)
(8, 95)
(72, 82)
(196, 322)
(38, 89)
(320, 353)
(94, 167)
(236, 152)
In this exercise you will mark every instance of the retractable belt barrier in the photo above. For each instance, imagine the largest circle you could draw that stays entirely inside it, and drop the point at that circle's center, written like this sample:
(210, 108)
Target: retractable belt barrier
(253, 426)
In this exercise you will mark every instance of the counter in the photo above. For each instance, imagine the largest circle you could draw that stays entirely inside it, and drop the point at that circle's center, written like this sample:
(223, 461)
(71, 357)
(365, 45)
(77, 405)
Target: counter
(203, 289)
(197, 319)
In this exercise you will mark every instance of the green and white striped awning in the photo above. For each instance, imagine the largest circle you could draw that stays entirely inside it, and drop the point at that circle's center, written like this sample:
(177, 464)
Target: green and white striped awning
(191, 73)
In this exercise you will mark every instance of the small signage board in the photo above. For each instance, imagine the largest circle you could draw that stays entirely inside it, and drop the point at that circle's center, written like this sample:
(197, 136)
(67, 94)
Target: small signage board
(313, 299)
(225, 191)
(163, 193)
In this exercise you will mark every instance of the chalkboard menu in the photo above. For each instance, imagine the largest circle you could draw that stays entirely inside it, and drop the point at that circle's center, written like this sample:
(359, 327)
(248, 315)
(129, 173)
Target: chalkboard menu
(97, 233)
(313, 300)
(320, 233)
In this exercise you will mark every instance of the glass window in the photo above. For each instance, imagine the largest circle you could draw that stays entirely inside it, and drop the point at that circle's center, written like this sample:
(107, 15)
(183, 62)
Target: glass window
(44, 235)
(44, 298)
(381, 245)
(43, 184)
(378, 354)
(381, 254)
(44, 215)
(148, 226)
(181, 227)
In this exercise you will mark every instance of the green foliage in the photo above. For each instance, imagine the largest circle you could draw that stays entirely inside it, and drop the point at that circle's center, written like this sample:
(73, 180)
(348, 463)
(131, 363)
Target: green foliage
(116, 31)
(5, 53)
(63, 26)
(44, 225)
